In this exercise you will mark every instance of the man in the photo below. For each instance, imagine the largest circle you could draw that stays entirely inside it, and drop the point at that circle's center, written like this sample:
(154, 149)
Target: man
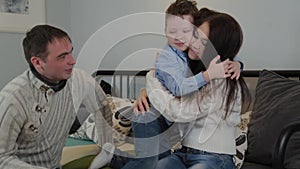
(38, 108)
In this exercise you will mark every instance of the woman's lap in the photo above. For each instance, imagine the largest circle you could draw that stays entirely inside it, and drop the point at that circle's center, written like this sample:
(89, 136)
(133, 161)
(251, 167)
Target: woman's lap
(196, 160)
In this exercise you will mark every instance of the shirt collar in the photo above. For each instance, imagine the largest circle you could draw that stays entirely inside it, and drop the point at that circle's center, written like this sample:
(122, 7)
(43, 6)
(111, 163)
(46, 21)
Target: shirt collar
(181, 54)
(40, 82)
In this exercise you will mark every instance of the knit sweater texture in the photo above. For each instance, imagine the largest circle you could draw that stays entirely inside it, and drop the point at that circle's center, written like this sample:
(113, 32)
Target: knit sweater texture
(202, 113)
(35, 120)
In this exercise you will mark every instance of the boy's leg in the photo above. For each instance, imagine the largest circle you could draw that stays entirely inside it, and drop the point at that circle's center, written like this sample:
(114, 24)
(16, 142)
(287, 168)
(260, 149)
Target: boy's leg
(153, 139)
(146, 129)
(164, 137)
(120, 159)
(169, 136)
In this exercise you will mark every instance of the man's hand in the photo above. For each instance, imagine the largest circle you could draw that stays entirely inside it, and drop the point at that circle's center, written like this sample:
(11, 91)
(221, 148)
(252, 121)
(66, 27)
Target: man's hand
(141, 104)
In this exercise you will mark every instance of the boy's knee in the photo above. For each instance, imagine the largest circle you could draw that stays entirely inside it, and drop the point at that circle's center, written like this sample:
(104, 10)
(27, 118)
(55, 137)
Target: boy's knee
(148, 117)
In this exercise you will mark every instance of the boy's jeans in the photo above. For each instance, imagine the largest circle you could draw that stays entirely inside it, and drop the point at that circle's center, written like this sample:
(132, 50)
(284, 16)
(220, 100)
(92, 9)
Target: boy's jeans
(151, 141)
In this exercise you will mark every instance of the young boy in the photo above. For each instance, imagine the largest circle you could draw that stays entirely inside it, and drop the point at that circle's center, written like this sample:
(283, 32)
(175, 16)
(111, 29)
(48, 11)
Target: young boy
(172, 63)
(179, 31)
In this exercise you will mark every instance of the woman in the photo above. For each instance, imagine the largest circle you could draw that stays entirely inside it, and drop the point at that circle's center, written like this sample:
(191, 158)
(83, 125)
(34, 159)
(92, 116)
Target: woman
(209, 141)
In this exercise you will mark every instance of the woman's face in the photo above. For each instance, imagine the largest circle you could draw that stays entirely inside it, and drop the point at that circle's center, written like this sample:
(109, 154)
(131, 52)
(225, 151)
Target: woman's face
(199, 41)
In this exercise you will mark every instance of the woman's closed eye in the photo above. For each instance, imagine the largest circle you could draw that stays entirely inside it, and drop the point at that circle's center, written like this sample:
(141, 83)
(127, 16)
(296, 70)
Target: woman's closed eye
(204, 41)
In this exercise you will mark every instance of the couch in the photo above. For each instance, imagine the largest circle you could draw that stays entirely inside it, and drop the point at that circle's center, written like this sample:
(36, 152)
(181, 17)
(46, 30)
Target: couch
(273, 132)
(278, 157)
(274, 128)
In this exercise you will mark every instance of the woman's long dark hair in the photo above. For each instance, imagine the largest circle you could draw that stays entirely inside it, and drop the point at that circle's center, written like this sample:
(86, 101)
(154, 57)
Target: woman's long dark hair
(226, 38)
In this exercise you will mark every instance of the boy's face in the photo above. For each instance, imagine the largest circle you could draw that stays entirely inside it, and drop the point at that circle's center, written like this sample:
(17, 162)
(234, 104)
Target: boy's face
(179, 31)
(199, 42)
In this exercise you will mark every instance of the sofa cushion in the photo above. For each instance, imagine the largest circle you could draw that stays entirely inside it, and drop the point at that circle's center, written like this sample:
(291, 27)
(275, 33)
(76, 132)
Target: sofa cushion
(241, 139)
(82, 163)
(248, 165)
(277, 103)
(121, 108)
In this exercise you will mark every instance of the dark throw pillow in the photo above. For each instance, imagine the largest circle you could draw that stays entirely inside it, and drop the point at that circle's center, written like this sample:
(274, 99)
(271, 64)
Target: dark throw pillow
(277, 103)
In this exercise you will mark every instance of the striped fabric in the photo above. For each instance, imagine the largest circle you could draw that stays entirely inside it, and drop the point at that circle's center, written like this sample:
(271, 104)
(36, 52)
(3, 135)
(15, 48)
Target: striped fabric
(35, 120)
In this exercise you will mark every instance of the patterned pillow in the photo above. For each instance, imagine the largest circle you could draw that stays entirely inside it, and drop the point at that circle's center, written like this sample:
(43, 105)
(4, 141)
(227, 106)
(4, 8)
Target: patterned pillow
(241, 139)
(121, 109)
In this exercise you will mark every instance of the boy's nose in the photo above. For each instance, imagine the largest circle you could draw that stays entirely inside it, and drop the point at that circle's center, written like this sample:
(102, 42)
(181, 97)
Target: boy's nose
(179, 36)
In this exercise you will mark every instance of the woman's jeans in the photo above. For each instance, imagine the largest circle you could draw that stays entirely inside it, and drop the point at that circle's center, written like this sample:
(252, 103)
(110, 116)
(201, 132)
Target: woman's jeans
(189, 158)
(151, 141)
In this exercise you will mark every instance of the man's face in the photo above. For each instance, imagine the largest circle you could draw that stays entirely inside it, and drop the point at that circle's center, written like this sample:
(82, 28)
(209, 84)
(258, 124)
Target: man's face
(179, 31)
(59, 62)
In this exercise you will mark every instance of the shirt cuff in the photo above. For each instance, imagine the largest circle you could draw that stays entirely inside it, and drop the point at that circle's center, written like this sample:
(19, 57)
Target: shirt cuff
(200, 80)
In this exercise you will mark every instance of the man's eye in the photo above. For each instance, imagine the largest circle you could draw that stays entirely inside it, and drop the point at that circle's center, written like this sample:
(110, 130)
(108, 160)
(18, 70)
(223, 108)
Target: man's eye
(62, 56)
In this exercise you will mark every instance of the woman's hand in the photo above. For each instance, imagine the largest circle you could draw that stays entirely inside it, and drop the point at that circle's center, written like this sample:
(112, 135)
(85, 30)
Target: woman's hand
(141, 105)
(217, 70)
(234, 68)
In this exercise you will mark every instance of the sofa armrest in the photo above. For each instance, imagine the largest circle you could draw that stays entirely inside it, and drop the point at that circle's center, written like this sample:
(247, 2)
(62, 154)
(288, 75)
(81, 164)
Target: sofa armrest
(281, 144)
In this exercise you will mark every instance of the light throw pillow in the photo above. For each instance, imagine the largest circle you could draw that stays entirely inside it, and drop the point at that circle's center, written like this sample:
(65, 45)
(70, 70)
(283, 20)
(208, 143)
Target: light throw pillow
(121, 108)
(277, 103)
(241, 139)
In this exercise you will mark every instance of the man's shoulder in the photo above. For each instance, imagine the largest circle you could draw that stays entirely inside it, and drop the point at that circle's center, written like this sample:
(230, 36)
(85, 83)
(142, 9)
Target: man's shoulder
(19, 82)
(18, 85)
(80, 77)
(77, 72)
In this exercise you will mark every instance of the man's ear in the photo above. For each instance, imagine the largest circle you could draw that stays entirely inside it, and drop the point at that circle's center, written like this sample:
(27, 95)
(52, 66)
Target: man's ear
(36, 62)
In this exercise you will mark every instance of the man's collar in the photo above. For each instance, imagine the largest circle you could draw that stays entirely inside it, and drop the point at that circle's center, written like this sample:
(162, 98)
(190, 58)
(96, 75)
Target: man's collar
(54, 86)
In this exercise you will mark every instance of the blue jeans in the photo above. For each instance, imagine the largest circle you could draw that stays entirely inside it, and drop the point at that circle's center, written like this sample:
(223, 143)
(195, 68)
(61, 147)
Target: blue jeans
(188, 158)
(150, 144)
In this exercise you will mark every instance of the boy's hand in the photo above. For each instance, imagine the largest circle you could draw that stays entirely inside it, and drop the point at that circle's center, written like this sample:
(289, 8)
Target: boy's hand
(217, 70)
(234, 68)
(141, 104)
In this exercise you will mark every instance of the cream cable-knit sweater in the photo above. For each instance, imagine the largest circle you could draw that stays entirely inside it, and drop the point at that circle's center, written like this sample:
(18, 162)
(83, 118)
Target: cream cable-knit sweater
(35, 120)
(204, 111)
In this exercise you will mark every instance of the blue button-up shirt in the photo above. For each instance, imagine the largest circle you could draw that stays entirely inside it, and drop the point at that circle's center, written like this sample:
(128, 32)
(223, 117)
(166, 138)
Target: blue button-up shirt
(173, 72)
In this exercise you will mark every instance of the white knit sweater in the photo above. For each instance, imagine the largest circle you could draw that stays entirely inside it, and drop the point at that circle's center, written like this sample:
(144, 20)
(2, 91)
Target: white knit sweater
(35, 120)
(204, 111)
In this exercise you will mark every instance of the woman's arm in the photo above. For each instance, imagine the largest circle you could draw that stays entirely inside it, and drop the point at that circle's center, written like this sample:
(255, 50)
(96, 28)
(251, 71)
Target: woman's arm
(184, 109)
